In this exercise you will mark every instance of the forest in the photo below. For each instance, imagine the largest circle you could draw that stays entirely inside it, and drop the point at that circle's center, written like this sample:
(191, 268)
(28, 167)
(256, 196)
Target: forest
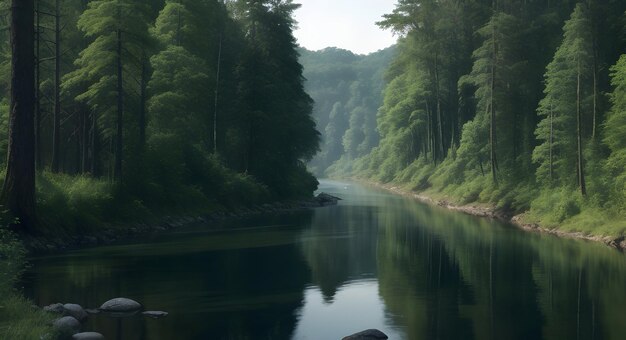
(139, 107)
(516, 104)
(347, 91)
(151, 145)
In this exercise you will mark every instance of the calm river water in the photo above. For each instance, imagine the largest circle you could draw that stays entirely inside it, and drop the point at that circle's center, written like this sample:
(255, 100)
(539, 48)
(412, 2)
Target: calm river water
(376, 260)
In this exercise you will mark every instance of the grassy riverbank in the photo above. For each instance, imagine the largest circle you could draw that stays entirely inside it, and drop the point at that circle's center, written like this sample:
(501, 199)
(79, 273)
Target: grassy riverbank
(560, 213)
(18, 318)
(77, 205)
(71, 206)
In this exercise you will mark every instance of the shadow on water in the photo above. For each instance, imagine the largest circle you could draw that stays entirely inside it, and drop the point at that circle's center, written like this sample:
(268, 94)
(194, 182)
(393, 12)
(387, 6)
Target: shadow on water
(375, 261)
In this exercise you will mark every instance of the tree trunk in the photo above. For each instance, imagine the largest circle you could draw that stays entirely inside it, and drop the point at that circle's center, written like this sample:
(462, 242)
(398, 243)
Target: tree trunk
(56, 129)
(492, 133)
(217, 88)
(38, 162)
(581, 173)
(94, 145)
(429, 133)
(142, 101)
(551, 142)
(84, 168)
(439, 113)
(18, 193)
(595, 98)
(117, 170)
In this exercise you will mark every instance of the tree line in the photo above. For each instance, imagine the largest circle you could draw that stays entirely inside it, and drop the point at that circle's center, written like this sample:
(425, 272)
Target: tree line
(153, 95)
(518, 103)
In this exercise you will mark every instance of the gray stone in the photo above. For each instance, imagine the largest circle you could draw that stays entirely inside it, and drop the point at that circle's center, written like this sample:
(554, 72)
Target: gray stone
(120, 306)
(54, 308)
(370, 334)
(71, 309)
(92, 311)
(88, 336)
(155, 314)
(67, 325)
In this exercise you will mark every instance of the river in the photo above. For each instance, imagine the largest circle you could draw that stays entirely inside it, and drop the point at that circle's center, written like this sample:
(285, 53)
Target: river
(376, 260)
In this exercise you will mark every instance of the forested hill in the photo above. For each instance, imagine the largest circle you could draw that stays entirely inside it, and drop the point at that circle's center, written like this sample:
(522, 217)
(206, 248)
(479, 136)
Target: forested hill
(347, 90)
(118, 107)
(520, 104)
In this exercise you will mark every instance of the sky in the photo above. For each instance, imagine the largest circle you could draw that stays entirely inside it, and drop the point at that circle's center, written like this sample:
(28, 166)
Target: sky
(347, 24)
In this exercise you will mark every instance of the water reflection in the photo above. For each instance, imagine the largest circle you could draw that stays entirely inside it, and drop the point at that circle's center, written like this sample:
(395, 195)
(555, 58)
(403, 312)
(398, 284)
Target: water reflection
(361, 296)
(376, 260)
(216, 285)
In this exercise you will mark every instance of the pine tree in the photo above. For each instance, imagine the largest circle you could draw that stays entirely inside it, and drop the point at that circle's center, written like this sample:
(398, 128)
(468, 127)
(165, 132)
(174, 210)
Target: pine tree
(119, 33)
(564, 107)
(178, 104)
(494, 77)
(615, 128)
(271, 68)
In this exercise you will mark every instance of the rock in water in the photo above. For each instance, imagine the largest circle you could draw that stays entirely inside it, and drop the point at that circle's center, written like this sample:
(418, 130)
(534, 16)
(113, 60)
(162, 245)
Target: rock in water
(155, 314)
(71, 309)
(370, 334)
(88, 336)
(121, 306)
(54, 308)
(67, 325)
(325, 199)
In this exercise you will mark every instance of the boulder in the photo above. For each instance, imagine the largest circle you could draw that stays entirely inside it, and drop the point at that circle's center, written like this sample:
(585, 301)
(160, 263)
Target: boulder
(121, 307)
(67, 325)
(76, 311)
(155, 314)
(370, 334)
(88, 336)
(54, 308)
(326, 199)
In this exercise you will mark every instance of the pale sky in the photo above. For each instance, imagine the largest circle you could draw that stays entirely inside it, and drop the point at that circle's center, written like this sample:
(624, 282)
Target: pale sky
(347, 24)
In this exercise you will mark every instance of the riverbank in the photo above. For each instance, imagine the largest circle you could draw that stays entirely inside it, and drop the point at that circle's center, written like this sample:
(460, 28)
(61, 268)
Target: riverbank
(490, 211)
(116, 232)
(20, 319)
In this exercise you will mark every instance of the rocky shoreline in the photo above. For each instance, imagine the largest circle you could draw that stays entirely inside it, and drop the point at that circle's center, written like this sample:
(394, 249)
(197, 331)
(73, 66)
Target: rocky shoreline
(487, 211)
(108, 235)
(71, 317)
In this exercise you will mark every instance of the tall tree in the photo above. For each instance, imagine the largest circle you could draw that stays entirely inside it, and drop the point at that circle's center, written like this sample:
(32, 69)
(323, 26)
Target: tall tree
(565, 106)
(119, 33)
(615, 129)
(56, 128)
(495, 77)
(271, 66)
(18, 192)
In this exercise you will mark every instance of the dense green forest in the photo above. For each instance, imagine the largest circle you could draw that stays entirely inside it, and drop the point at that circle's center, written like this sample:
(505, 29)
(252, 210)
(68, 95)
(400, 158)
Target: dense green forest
(520, 104)
(143, 106)
(347, 90)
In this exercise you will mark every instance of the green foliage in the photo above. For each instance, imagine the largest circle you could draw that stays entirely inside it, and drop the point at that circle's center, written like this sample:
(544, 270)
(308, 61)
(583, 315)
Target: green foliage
(280, 132)
(557, 153)
(174, 104)
(18, 319)
(178, 103)
(615, 134)
(485, 102)
(347, 90)
(12, 256)
(72, 205)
